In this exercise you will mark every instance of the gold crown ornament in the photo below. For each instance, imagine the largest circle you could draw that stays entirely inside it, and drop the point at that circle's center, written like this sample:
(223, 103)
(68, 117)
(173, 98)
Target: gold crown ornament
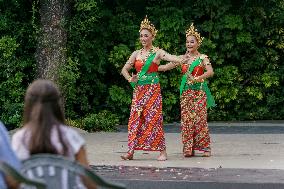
(146, 24)
(192, 31)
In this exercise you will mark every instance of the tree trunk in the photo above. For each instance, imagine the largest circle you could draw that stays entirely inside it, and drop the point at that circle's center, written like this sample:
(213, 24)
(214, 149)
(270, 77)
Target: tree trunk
(51, 50)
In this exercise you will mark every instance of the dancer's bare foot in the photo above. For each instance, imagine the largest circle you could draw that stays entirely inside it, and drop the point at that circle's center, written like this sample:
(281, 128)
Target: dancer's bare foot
(162, 156)
(201, 153)
(187, 154)
(206, 154)
(128, 156)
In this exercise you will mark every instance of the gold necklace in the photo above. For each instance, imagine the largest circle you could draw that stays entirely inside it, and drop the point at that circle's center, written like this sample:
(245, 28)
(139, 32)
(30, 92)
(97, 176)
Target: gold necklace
(149, 52)
(193, 56)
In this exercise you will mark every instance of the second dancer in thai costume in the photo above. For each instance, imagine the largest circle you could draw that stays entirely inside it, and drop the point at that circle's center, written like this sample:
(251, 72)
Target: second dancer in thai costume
(145, 126)
(195, 96)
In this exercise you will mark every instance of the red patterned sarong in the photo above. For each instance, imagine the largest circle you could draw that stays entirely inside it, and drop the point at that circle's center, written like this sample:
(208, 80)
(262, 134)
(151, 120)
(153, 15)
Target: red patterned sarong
(145, 126)
(195, 132)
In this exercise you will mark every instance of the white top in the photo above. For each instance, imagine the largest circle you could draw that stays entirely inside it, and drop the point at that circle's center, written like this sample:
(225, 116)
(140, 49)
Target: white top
(73, 140)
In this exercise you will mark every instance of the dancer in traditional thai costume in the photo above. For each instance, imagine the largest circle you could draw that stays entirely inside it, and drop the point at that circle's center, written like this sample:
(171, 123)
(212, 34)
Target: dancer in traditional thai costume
(145, 126)
(195, 96)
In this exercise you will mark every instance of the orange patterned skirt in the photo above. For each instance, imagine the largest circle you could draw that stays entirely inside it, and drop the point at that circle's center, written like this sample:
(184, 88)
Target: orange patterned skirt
(145, 126)
(194, 126)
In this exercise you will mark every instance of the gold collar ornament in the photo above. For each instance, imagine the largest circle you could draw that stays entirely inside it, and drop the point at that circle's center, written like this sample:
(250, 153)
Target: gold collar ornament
(192, 31)
(146, 24)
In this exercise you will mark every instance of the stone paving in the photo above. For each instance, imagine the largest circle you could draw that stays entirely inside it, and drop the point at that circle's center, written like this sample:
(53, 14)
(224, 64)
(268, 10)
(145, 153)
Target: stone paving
(245, 155)
(191, 174)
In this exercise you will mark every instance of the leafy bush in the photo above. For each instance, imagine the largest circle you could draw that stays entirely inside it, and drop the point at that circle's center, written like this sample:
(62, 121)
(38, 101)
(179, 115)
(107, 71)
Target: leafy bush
(17, 63)
(120, 101)
(243, 39)
(12, 78)
(102, 121)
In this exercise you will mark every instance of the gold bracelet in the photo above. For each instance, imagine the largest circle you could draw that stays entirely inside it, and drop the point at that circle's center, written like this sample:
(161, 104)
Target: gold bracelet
(130, 63)
(195, 79)
(174, 63)
(129, 79)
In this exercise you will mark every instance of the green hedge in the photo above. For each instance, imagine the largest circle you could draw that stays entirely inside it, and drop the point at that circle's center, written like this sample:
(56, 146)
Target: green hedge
(243, 39)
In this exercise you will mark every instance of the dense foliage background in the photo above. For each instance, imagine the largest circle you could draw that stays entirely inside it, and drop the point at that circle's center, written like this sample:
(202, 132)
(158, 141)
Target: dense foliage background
(244, 40)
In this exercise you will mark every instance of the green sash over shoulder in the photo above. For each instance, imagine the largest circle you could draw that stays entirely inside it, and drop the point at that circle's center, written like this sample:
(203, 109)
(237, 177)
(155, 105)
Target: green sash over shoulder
(198, 85)
(143, 77)
(189, 71)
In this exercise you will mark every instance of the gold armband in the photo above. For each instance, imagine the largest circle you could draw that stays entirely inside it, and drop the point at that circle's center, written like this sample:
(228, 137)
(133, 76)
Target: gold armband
(130, 63)
(207, 61)
(175, 64)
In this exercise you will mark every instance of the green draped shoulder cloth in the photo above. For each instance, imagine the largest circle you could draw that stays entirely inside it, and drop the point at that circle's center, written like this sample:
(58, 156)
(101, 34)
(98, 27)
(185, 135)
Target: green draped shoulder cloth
(144, 77)
(197, 85)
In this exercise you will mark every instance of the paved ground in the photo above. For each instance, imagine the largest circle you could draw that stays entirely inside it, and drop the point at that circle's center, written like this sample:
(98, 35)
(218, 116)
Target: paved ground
(259, 151)
(250, 146)
(170, 177)
(244, 155)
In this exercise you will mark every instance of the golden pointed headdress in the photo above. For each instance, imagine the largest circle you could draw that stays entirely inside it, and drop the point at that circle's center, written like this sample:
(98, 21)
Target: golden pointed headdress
(192, 31)
(146, 24)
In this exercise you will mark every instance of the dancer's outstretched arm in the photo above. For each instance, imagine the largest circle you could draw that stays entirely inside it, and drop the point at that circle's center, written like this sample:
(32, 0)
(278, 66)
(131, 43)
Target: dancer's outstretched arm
(163, 55)
(168, 66)
(174, 60)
